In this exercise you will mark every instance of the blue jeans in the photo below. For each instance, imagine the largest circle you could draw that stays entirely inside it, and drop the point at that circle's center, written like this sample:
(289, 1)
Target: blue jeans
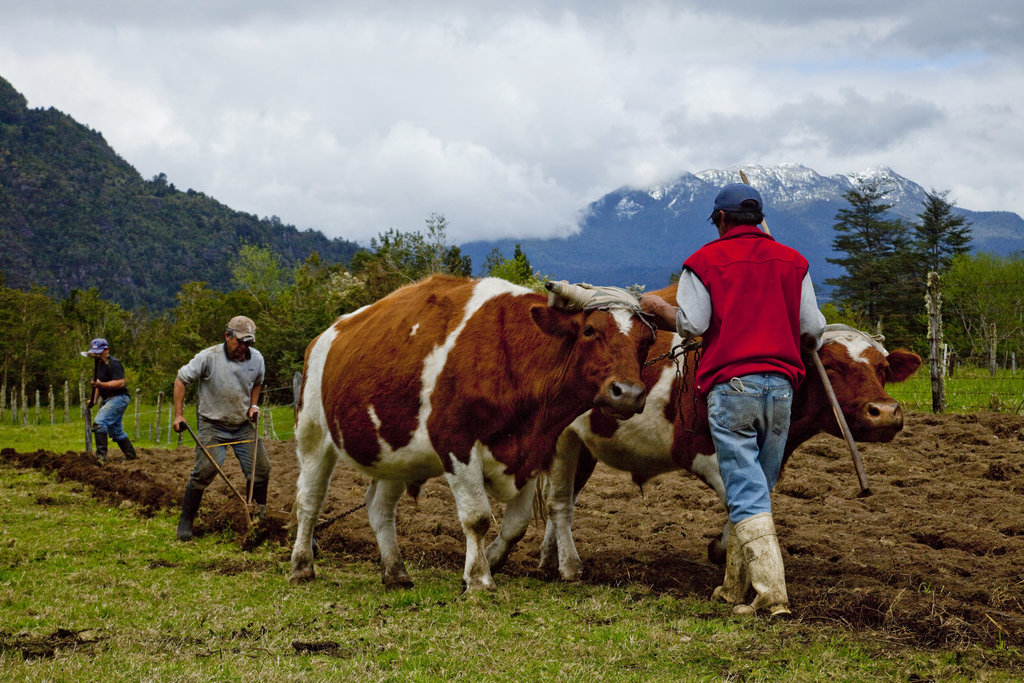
(749, 419)
(210, 434)
(108, 417)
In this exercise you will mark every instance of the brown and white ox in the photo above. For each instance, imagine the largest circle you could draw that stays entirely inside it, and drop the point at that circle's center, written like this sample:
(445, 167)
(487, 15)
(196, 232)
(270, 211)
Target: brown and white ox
(474, 380)
(673, 433)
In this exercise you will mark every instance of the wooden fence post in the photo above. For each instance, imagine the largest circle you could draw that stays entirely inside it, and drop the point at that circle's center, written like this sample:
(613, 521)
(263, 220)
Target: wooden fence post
(37, 406)
(933, 297)
(49, 402)
(992, 362)
(67, 413)
(24, 406)
(159, 405)
(3, 401)
(137, 399)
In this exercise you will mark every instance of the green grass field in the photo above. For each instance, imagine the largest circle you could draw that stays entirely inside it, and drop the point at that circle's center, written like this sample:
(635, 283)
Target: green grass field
(971, 389)
(91, 592)
(70, 436)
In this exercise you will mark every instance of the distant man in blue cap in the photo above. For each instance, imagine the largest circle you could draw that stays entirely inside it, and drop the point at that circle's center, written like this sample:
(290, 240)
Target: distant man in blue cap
(751, 299)
(109, 389)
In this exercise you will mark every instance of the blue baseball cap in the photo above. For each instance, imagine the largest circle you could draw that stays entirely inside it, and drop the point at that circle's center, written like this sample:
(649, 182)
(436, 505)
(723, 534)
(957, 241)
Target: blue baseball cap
(737, 197)
(96, 348)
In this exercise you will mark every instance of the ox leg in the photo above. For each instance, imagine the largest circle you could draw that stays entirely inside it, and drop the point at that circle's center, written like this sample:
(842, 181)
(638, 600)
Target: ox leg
(314, 477)
(706, 467)
(560, 499)
(381, 505)
(518, 512)
(467, 484)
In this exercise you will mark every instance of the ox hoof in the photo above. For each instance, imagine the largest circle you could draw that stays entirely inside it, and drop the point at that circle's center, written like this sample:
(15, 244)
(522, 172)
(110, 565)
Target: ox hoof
(716, 552)
(301, 576)
(479, 587)
(572, 576)
(774, 612)
(397, 580)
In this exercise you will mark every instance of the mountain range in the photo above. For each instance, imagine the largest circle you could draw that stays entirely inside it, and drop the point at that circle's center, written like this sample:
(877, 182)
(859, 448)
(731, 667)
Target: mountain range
(643, 235)
(75, 215)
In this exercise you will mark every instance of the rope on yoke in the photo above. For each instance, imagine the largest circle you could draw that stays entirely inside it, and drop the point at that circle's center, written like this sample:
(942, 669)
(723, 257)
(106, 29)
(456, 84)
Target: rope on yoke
(682, 349)
(583, 296)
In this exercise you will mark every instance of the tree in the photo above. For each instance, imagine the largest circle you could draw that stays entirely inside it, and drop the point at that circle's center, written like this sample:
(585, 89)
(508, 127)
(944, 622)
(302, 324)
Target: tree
(31, 347)
(940, 235)
(875, 253)
(258, 271)
(983, 299)
(398, 258)
(516, 270)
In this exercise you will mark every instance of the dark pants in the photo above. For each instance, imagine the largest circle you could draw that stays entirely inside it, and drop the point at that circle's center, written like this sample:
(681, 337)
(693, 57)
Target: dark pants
(211, 434)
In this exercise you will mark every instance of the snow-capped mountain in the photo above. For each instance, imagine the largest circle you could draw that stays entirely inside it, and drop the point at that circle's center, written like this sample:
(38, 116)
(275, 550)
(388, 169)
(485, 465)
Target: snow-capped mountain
(642, 235)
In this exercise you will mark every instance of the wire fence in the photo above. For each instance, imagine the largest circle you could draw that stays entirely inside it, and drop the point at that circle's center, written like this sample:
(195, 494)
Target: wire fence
(148, 417)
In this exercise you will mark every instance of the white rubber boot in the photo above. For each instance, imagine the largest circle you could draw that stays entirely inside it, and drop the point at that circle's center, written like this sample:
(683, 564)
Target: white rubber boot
(737, 580)
(763, 557)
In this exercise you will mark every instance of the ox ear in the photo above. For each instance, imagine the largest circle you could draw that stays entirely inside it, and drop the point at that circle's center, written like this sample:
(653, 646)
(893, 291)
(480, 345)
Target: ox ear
(902, 364)
(553, 322)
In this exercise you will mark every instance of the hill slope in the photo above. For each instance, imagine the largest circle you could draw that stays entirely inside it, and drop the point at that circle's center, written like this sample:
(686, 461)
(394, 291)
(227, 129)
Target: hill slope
(75, 215)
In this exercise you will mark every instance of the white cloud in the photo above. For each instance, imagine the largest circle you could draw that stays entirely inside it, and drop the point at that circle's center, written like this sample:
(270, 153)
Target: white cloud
(356, 117)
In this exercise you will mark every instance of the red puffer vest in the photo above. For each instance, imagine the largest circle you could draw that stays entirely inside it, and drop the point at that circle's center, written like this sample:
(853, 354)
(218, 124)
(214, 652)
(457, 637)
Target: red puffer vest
(754, 283)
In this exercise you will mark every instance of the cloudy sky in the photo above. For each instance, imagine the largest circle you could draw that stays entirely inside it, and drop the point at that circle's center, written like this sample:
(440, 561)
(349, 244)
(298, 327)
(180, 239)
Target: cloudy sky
(353, 117)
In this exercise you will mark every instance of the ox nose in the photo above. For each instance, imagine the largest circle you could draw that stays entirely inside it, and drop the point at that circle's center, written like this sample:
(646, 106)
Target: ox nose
(885, 414)
(626, 398)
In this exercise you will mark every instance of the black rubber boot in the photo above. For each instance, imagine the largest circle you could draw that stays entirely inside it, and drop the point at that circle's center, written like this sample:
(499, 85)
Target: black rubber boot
(189, 507)
(101, 445)
(259, 493)
(127, 448)
(259, 497)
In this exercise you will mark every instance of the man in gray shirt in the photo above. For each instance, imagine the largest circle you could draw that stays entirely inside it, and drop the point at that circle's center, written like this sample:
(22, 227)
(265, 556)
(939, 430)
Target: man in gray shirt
(230, 376)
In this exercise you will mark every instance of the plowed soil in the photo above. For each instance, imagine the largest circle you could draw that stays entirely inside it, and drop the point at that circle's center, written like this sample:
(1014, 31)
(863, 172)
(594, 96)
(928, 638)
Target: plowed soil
(934, 557)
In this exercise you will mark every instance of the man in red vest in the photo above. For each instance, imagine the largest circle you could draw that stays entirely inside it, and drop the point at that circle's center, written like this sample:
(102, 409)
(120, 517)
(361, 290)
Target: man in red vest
(751, 299)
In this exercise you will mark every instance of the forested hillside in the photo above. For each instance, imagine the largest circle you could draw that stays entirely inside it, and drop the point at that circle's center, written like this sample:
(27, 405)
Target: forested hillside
(75, 215)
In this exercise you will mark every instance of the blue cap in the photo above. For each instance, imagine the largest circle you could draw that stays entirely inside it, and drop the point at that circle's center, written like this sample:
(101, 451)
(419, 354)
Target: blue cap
(97, 347)
(738, 197)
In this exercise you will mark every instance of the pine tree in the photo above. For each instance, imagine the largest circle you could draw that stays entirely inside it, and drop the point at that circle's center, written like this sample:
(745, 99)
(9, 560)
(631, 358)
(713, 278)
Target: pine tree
(875, 251)
(940, 235)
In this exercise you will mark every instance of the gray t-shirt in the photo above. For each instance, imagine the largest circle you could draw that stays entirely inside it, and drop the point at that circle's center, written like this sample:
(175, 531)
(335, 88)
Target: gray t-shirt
(225, 385)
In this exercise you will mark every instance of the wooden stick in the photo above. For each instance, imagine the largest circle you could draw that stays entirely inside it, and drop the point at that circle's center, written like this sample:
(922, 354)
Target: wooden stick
(858, 464)
(248, 517)
(764, 223)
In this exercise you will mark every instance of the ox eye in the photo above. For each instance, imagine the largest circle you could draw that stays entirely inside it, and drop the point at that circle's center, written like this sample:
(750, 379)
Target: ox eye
(589, 331)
